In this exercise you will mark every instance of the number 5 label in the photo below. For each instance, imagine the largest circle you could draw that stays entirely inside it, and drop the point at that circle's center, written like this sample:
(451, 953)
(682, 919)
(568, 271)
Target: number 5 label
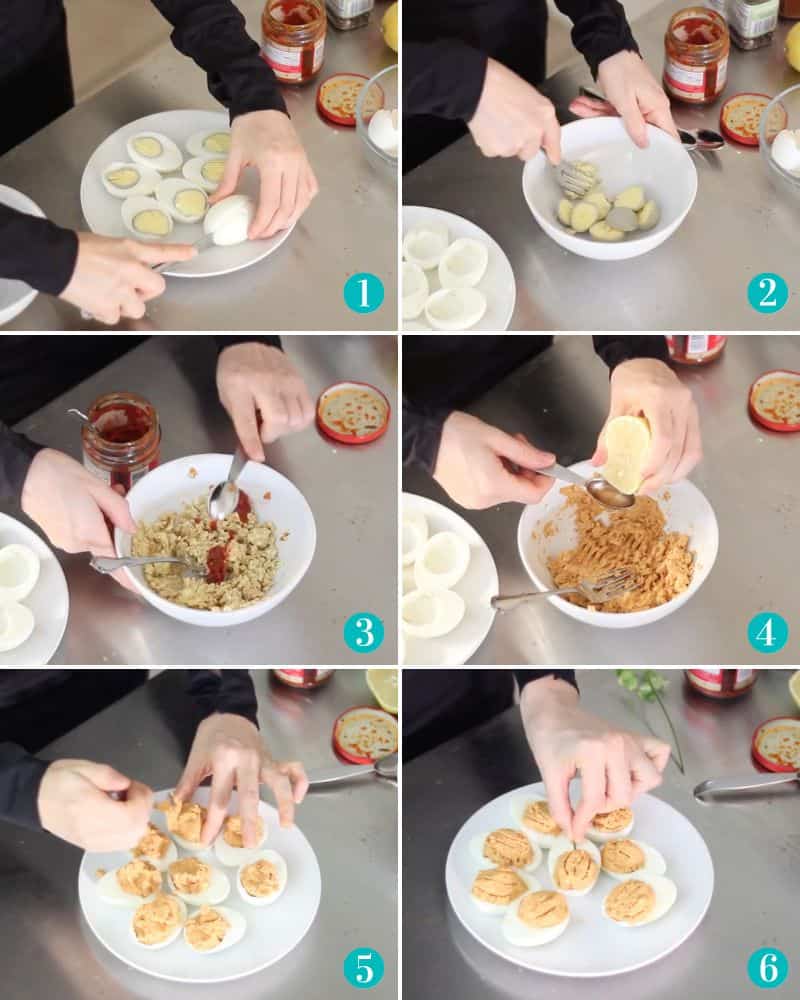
(363, 968)
(768, 968)
(363, 632)
(768, 632)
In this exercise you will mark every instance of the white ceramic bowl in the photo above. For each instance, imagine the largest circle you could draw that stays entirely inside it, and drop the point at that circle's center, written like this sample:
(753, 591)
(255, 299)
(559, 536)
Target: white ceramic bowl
(686, 510)
(170, 486)
(664, 168)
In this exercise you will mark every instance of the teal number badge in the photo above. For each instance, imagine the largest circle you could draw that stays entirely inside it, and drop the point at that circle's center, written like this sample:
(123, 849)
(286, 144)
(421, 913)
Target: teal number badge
(363, 292)
(363, 968)
(768, 968)
(768, 632)
(363, 632)
(767, 293)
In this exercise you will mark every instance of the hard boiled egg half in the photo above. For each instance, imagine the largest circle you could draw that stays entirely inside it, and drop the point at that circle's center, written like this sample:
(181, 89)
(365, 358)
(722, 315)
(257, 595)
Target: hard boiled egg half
(19, 572)
(786, 150)
(442, 561)
(424, 244)
(110, 886)
(452, 309)
(146, 217)
(206, 171)
(152, 149)
(16, 626)
(536, 918)
(197, 882)
(235, 931)
(159, 915)
(582, 862)
(415, 290)
(266, 876)
(429, 615)
(640, 900)
(124, 180)
(210, 142)
(463, 264)
(506, 847)
(227, 222)
(184, 201)
(415, 535)
(622, 859)
(226, 844)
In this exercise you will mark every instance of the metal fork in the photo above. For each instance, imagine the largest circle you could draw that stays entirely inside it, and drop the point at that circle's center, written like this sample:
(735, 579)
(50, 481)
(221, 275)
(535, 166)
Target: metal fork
(576, 178)
(613, 584)
(105, 564)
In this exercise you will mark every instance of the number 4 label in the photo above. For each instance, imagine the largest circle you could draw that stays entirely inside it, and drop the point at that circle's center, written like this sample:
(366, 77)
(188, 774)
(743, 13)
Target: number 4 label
(363, 968)
(768, 632)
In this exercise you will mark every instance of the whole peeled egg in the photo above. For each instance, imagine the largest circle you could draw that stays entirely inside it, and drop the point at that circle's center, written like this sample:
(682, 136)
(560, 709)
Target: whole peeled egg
(786, 150)
(227, 222)
(152, 149)
(384, 130)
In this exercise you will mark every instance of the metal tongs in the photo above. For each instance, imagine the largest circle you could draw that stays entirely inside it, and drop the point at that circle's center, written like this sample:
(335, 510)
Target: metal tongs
(714, 786)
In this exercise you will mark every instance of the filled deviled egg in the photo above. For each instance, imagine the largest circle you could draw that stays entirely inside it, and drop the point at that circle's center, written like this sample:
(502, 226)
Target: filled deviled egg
(156, 847)
(185, 823)
(536, 918)
(612, 825)
(131, 884)
(229, 844)
(574, 866)
(214, 928)
(158, 922)
(640, 900)
(495, 889)
(261, 881)
(196, 882)
(622, 859)
(507, 848)
(532, 814)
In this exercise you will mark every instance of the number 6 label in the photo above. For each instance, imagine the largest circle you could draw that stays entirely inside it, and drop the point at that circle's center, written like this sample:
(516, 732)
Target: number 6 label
(363, 632)
(363, 968)
(768, 968)
(767, 293)
(768, 632)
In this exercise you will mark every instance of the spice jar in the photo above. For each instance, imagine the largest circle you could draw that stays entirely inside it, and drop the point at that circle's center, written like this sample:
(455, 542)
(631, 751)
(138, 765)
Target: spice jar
(696, 348)
(311, 678)
(696, 48)
(722, 684)
(790, 9)
(347, 14)
(122, 440)
(293, 38)
(752, 23)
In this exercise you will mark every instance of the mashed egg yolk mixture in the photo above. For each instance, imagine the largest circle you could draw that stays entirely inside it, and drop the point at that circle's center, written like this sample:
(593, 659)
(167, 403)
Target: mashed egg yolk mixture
(575, 870)
(611, 822)
(508, 847)
(154, 844)
(232, 831)
(190, 876)
(139, 878)
(184, 818)
(207, 929)
(154, 922)
(537, 817)
(631, 901)
(260, 879)
(498, 885)
(622, 856)
(543, 909)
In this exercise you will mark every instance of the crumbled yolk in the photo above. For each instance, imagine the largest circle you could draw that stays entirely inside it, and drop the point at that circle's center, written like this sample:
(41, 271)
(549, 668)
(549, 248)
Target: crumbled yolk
(154, 844)
(260, 879)
(154, 922)
(190, 876)
(207, 929)
(139, 878)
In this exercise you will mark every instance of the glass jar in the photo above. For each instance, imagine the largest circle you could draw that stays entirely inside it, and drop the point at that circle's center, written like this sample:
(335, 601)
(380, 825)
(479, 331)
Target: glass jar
(347, 14)
(696, 49)
(722, 684)
(298, 678)
(293, 38)
(790, 9)
(752, 23)
(122, 440)
(695, 348)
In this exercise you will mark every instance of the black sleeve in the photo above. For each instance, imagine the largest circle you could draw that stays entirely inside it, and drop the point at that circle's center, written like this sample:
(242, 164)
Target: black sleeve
(442, 78)
(600, 29)
(268, 340)
(618, 348)
(526, 676)
(36, 251)
(422, 433)
(16, 454)
(224, 691)
(20, 777)
(212, 33)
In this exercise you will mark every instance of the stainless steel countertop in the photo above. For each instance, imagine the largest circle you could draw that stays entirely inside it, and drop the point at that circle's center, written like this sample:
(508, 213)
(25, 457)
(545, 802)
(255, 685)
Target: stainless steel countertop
(748, 474)
(47, 948)
(350, 227)
(740, 225)
(755, 845)
(352, 492)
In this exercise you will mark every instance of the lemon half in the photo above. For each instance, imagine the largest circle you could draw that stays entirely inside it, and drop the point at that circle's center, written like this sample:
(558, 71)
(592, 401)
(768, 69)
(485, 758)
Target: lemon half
(384, 687)
(627, 441)
(794, 687)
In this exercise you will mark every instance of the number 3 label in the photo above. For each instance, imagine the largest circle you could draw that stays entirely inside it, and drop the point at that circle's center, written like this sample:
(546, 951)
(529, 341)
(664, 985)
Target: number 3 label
(363, 968)
(768, 968)
(363, 632)
(767, 293)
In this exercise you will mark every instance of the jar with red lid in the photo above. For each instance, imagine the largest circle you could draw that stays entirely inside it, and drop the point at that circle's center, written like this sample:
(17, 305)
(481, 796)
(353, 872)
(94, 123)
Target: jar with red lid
(298, 678)
(696, 349)
(122, 440)
(720, 683)
(696, 49)
(293, 38)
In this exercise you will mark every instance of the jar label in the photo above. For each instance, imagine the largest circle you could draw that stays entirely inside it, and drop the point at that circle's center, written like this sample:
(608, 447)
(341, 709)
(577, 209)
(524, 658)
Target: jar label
(689, 82)
(754, 20)
(289, 62)
(128, 476)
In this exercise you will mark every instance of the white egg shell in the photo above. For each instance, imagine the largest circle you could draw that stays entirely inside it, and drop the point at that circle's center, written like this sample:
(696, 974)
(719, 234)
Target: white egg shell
(283, 875)
(425, 244)
(415, 290)
(463, 264)
(654, 863)
(453, 309)
(666, 893)
(484, 907)
(476, 849)
(786, 150)
(167, 192)
(236, 931)
(431, 615)
(164, 159)
(170, 939)
(19, 572)
(193, 171)
(111, 892)
(562, 845)
(132, 207)
(209, 142)
(518, 933)
(163, 863)
(603, 836)
(384, 130)
(217, 892)
(234, 857)
(16, 626)
(148, 181)
(442, 561)
(415, 535)
(227, 222)
(518, 805)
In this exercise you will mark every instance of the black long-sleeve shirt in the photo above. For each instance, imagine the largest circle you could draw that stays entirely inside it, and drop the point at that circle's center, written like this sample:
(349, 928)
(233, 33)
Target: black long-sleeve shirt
(446, 47)
(21, 773)
(211, 32)
(444, 373)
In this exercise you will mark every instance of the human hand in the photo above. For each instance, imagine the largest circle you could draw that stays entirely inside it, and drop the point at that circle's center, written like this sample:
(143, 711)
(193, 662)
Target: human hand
(74, 805)
(615, 766)
(267, 140)
(513, 118)
(229, 748)
(70, 505)
(474, 465)
(255, 378)
(647, 387)
(636, 95)
(114, 278)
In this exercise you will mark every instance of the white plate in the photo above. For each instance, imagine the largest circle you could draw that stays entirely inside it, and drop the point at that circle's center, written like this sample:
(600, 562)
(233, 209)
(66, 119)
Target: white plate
(272, 931)
(592, 945)
(478, 585)
(102, 211)
(49, 600)
(497, 284)
(170, 486)
(686, 510)
(15, 296)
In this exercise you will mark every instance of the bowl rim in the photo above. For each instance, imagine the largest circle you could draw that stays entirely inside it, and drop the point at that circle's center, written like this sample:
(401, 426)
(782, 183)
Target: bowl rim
(765, 147)
(360, 127)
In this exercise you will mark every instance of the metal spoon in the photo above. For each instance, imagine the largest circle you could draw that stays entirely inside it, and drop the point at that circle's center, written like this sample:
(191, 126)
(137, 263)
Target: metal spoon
(224, 498)
(712, 786)
(386, 767)
(107, 564)
(701, 140)
(597, 487)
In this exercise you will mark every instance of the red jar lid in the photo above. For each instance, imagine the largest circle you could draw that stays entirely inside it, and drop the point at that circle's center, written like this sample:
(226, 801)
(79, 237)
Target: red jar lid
(774, 400)
(776, 744)
(337, 98)
(364, 734)
(740, 118)
(353, 412)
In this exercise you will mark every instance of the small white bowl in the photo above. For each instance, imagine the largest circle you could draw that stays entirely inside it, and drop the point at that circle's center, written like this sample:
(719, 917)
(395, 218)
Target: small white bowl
(663, 168)
(686, 510)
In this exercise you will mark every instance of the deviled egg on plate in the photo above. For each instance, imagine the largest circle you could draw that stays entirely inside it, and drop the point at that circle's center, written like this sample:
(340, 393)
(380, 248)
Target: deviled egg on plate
(263, 880)
(158, 922)
(185, 823)
(611, 825)
(214, 928)
(507, 848)
(532, 814)
(574, 866)
(625, 858)
(156, 847)
(197, 882)
(229, 844)
(495, 889)
(640, 900)
(131, 884)
(536, 918)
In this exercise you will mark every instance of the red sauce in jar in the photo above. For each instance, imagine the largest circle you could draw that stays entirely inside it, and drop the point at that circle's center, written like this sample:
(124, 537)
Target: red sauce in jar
(696, 49)
(293, 38)
(122, 439)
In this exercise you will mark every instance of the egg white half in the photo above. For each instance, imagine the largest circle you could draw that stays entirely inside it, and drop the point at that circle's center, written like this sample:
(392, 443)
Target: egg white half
(111, 892)
(520, 934)
(562, 845)
(19, 572)
(518, 805)
(218, 890)
(415, 289)
(453, 309)
(425, 244)
(442, 561)
(415, 535)
(172, 937)
(236, 931)
(463, 264)
(532, 886)
(283, 875)
(17, 623)
(654, 863)
(431, 615)
(476, 849)
(603, 836)
(666, 893)
(168, 159)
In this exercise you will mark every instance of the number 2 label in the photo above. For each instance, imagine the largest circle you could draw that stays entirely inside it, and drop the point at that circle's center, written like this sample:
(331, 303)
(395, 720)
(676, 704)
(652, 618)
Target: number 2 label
(767, 293)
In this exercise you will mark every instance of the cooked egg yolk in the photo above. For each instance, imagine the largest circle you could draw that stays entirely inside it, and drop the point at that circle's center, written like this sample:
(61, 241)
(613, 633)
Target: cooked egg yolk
(184, 818)
(154, 922)
(154, 844)
(190, 876)
(207, 929)
(152, 222)
(498, 885)
(147, 145)
(631, 901)
(613, 821)
(508, 847)
(537, 817)
(123, 177)
(622, 856)
(213, 170)
(260, 879)
(190, 202)
(543, 909)
(575, 870)
(232, 831)
(139, 878)
(219, 142)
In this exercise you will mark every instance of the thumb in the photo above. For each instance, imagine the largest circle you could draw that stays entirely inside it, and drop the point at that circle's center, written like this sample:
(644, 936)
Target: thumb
(634, 122)
(102, 776)
(233, 168)
(521, 451)
(551, 141)
(164, 253)
(114, 507)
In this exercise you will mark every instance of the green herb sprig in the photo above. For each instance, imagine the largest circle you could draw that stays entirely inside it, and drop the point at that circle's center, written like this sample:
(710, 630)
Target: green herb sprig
(649, 685)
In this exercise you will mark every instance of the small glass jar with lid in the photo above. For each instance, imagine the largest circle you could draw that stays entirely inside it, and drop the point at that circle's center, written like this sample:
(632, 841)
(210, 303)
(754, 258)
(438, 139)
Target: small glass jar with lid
(752, 23)
(696, 49)
(122, 440)
(293, 36)
(347, 14)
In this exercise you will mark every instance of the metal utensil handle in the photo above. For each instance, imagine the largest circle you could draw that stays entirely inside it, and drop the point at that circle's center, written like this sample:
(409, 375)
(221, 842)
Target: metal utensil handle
(712, 785)
(240, 460)
(105, 564)
(557, 471)
(328, 775)
(507, 602)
